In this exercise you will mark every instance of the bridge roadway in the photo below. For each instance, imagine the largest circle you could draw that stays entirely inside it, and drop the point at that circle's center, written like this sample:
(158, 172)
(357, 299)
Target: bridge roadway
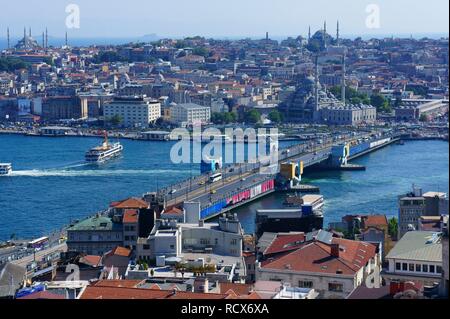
(243, 176)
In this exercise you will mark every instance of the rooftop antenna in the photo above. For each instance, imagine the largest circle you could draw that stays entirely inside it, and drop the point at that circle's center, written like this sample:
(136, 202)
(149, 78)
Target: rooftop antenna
(343, 80)
(337, 33)
(316, 86)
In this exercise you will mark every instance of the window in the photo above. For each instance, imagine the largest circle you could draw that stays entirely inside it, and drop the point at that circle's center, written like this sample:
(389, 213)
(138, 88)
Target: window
(234, 242)
(172, 246)
(411, 267)
(425, 268)
(439, 269)
(398, 266)
(432, 268)
(305, 284)
(418, 267)
(335, 287)
(146, 247)
(404, 266)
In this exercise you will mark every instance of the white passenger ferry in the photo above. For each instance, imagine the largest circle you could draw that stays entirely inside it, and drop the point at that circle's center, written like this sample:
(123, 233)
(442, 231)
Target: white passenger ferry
(5, 169)
(105, 152)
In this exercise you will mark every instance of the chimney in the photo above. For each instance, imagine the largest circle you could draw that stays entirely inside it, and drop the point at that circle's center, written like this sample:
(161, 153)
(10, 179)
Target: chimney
(206, 286)
(335, 250)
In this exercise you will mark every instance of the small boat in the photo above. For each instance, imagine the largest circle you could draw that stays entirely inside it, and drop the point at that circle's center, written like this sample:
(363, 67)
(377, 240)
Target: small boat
(5, 169)
(104, 152)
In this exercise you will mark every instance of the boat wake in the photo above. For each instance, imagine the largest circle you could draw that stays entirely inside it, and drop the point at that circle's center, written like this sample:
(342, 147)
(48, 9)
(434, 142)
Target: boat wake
(89, 173)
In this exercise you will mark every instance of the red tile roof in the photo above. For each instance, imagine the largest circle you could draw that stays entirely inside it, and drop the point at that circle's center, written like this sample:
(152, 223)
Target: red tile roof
(120, 251)
(100, 292)
(130, 216)
(238, 289)
(91, 260)
(375, 220)
(173, 211)
(316, 257)
(43, 295)
(118, 283)
(284, 243)
(131, 202)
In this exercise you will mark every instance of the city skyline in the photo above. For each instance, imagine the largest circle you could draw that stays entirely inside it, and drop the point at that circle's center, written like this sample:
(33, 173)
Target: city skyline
(280, 19)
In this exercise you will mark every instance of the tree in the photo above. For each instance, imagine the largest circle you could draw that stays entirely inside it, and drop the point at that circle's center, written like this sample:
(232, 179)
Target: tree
(398, 102)
(252, 116)
(201, 51)
(380, 103)
(10, 64)
(393, 227)
(423, 117)
(275, 117)
(115, 120)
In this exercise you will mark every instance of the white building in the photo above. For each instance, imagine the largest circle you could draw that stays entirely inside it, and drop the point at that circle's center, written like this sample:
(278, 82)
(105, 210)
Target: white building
(417, 257)
(190, 113)
(133, 111)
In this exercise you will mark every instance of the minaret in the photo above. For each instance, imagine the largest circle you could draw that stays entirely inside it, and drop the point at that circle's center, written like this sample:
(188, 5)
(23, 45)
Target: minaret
(8, 39)
(24, 33)
(43, 40)
(325, 26)
(309, 33)
(316, 86)
(66, 39)
(343, 80)
(29, 32)
(267, 36)
(337, 33)
(46, 38)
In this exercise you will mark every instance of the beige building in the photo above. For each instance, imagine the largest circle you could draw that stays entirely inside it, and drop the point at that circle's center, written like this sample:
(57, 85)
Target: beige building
(190, 113)
(133, 111)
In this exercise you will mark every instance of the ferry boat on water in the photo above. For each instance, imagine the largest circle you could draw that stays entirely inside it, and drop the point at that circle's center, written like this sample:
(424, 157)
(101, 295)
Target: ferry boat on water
(5, 169)
(105, 152)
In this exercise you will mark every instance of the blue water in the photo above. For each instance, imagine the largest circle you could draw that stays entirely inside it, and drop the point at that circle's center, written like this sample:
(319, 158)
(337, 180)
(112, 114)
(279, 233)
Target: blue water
(51, 185)
(391, 171)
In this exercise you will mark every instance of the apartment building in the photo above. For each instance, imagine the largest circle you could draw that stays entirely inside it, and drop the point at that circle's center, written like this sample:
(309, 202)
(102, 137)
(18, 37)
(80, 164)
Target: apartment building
(133, 111)
(190, 114)
(64, 108)
(417, 257)
(333, 267)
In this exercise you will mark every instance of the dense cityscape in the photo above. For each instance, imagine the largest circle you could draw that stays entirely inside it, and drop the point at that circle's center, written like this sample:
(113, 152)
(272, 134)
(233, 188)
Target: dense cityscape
(324, 100)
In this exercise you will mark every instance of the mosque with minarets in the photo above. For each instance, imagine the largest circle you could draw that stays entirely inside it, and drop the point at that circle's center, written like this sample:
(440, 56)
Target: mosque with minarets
(310, 102)
(27, 42)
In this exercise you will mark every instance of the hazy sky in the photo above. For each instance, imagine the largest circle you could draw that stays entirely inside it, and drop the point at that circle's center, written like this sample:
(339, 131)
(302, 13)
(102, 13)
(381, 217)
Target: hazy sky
(112, 18)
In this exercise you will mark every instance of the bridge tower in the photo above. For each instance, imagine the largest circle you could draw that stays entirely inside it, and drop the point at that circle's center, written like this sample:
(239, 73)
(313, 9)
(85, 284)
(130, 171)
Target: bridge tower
(291, 173)
(339, 155)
